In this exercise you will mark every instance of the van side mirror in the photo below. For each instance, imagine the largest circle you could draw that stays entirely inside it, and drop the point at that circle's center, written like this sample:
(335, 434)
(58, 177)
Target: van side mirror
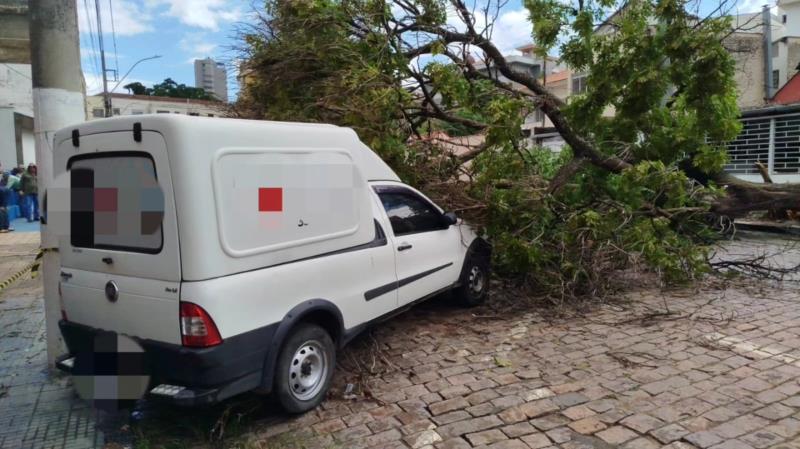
(450, 218)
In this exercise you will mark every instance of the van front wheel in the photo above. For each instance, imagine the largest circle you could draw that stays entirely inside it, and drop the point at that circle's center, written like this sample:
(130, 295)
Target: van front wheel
(474, 283)
(305, 368)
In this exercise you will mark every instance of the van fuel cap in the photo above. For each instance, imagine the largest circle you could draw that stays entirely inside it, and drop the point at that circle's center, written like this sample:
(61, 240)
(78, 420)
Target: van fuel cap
(112, 291)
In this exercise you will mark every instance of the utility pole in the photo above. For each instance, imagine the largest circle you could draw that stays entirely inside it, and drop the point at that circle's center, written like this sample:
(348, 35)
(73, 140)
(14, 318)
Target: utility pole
(106, 95)
(58, 101)
(769, 86)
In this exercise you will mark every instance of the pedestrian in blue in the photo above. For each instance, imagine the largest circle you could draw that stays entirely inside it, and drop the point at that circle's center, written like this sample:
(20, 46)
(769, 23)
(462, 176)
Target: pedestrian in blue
(30, 192)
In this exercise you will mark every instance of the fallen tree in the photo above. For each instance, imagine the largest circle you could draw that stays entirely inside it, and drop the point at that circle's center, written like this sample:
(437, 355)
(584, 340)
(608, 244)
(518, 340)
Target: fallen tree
(642, 180)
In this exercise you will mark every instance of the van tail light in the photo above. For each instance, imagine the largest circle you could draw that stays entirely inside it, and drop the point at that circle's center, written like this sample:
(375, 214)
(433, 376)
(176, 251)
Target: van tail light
(197, 328)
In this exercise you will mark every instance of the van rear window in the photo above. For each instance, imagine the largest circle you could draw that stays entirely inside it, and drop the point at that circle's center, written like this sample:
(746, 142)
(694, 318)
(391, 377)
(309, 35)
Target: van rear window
(116, 202)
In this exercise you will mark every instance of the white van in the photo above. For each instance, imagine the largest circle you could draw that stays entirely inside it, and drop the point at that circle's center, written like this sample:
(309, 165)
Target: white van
(241, 254)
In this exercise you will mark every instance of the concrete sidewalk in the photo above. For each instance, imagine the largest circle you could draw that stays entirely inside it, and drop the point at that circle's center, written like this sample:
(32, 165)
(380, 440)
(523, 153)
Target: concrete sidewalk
(37, 409)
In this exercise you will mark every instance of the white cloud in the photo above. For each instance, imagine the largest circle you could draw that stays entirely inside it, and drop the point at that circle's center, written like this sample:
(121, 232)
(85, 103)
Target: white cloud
(196, 45)
(746, 6)
(512, 28)
(88, 53)
(136, 17)
(129, 18)
(207, 14)
(94, 84)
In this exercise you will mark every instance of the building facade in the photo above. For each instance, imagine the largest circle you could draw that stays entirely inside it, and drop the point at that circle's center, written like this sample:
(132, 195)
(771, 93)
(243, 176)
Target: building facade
(16, 96)
(212, 77)
(123, 104)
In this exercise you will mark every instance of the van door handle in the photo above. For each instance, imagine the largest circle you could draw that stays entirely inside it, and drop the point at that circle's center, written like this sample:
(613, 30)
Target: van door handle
(404, 246)
(107, 260)
(65, 275)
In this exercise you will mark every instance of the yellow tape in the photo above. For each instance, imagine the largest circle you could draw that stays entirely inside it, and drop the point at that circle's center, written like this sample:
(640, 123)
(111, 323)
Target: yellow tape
(37, 262)
(33, 267)
(16, 276)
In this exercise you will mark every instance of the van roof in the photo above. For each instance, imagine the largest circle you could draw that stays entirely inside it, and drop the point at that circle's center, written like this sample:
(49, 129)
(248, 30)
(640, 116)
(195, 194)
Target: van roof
(243, 133)
(125, 122)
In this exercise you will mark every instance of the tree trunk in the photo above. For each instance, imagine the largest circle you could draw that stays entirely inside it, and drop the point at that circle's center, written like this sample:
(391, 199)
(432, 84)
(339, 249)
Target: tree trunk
(745, 196)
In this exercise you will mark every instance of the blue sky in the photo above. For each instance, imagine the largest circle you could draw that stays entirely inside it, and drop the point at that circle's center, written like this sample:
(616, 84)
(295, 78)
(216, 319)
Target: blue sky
(183, 30)
(178, 30)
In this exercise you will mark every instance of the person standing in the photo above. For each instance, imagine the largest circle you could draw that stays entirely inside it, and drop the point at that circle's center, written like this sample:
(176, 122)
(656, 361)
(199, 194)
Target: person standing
(4, 193)
(14, 179)
(30, 192)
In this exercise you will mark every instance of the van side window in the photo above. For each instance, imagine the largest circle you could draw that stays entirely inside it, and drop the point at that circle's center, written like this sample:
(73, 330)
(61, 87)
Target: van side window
(410, 214)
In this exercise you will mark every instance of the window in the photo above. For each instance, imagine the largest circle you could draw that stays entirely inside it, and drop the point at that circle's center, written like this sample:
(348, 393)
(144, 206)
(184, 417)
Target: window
(538, 116)
(776, 76)
(116, 202)
(210, 115)
(162, 112)
(116, 111)
(579, 84)
(410, 214)
(98, 112)
(776, 49)
(137, 112)
(783, 19)
(194, 114)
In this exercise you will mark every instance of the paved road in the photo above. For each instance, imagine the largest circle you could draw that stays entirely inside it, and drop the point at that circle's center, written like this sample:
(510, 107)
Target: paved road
(717, 367)
(714, 367)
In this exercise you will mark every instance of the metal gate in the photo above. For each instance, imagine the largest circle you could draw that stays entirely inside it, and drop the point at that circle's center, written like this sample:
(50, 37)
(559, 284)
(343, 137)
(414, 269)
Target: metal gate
(773, 141)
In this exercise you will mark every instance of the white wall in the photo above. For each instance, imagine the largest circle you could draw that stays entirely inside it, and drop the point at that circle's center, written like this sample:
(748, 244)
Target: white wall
(16, 88)
(28, 147)
(8, 144)
(792, 26)
(16, 95)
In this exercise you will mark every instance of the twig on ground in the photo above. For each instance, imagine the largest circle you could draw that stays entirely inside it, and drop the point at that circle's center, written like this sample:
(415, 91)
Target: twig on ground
(628, 359)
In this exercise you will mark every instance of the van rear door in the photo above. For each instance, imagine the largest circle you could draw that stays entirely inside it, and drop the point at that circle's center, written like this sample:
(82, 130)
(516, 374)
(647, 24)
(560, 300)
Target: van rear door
(120, 258)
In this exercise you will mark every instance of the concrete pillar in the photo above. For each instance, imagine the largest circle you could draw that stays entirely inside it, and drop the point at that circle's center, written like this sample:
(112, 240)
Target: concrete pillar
(58, 101)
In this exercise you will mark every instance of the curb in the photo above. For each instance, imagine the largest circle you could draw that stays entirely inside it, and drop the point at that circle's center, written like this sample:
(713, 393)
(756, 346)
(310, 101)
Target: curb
(773, 228)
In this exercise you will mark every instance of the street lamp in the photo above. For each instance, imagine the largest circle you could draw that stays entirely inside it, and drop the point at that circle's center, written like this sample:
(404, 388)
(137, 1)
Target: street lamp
(129, 71)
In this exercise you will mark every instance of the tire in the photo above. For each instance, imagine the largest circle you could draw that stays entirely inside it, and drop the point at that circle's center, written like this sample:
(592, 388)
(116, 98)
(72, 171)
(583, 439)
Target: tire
(305, 368)
(473, 286)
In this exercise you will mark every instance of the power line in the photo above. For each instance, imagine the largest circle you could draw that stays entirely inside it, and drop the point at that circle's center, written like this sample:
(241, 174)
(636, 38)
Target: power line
(89, 68)
(106, 98)
(114, 38)
(91, 36)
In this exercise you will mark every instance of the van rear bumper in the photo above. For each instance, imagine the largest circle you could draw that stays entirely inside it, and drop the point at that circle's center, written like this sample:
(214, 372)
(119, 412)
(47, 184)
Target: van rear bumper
(206, 375)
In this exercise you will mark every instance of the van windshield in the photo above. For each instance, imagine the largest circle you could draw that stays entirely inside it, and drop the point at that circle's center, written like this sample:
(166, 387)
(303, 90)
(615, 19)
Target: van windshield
(116, 202)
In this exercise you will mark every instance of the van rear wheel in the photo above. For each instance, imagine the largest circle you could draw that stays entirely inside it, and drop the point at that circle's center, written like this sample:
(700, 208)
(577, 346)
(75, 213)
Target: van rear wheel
(305, 368)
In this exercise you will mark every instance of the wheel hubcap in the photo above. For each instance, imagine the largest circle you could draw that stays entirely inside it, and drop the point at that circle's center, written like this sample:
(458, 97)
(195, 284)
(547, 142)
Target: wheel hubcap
(476, 280)
(308, 370)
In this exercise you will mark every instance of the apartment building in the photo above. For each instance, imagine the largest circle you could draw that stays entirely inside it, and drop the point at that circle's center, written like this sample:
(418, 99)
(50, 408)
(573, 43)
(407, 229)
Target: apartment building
(212, 77)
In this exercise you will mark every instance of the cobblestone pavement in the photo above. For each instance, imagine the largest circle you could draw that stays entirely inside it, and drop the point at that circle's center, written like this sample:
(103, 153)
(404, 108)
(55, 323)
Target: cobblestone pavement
(707, 368)
(712, 368)
(37, 410)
